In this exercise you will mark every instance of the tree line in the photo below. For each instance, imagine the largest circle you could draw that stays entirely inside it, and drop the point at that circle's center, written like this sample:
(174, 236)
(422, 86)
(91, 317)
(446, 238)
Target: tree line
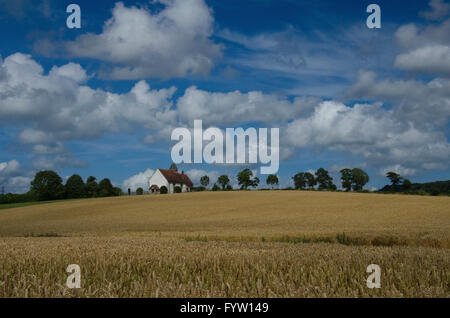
(47, 185)
(351, 180)
(245, 181)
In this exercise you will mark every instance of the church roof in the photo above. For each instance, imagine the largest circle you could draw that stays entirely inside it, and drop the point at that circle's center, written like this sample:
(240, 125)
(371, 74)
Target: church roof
(175, 177)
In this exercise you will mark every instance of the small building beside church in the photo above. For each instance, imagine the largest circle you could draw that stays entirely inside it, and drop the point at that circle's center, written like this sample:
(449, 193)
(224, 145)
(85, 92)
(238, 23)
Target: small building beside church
(170, 178)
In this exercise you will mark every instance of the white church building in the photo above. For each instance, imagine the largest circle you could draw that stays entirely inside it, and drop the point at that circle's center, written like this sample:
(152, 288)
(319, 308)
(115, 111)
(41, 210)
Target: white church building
(170, 178)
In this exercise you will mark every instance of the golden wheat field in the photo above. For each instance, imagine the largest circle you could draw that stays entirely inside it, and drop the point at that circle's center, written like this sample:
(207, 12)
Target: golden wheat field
(229, 244)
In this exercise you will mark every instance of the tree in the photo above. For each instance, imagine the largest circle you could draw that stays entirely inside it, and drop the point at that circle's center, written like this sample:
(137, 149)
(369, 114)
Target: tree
(310, 180)
(75, 187)
(245, 179)
(139, 191)
(129, 191)
(117, 191)
(347, 179)
(255, 182)
(204, 181)
(272, 180)
(163, 190)
(324, 180)
(394, 177)
(91, 187)
(47, 185)
(215, 187)
(177, 189)
(299, 180)
(105, 188)
(223, 181)
(359, 179)
(407, 185)
(229, 187)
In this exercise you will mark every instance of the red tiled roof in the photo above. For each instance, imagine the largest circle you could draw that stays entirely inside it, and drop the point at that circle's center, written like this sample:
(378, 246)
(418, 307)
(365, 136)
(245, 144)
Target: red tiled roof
(176, 177)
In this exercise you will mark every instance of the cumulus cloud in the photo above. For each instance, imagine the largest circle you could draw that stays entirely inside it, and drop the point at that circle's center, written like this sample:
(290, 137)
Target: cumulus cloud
(371, 132)
(429, 59)
(58, 107)
(139, 180)
(173, 42)
(424, 50)
(237, 107)
(9, 168)
(412, 36)
(426, 104)
(12, 178)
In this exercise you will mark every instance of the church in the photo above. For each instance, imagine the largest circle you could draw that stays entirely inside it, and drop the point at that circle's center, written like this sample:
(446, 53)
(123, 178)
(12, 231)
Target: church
(170, 178)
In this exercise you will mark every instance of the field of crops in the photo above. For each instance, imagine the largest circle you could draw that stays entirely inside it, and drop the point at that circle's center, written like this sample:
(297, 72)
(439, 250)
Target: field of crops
(229, 244)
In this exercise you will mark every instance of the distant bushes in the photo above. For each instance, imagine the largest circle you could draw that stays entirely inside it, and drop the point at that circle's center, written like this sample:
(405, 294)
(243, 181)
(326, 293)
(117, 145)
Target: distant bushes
(16, 198)
(430, 188)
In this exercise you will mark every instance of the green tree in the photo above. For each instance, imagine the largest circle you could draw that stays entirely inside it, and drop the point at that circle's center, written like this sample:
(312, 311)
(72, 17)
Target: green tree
(245, 179)
(105, 188)
(91, 187)
(272, 180)
(223, 181)
(75, 187)
(299, 180)
(117, 191)
(215, 187)
(346, 178)
(139, 191)
(229, 187)
(129, 191)
(324, 180)
(310, 180)
(394, 177)
(177, 189)
(47, 185)
(406, 185)
(359, 179)
(204, 181)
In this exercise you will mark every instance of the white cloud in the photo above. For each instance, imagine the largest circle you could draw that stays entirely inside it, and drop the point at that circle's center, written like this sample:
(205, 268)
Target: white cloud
(57, 107)
(424, 49)
(12, 178)
(9, 168)
(411, 36)
(71, 70)
(371, 132)
(235, 107)
(430, 59)
(427, 105)
(173, 42)
(139, 180)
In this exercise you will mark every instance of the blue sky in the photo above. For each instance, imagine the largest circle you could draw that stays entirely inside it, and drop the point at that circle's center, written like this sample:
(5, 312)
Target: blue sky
(102, 100)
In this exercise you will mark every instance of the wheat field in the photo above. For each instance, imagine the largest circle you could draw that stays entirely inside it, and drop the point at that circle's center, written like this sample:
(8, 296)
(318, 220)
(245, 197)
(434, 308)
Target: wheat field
(229, 244)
